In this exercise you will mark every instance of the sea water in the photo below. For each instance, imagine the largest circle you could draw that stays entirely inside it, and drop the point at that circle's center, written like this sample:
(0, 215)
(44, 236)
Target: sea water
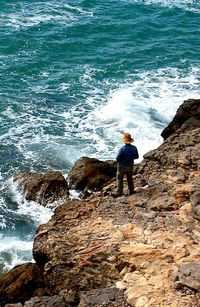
(74, 76)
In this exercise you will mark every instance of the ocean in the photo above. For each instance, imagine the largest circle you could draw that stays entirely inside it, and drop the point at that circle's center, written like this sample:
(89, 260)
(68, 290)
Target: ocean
(74, 76)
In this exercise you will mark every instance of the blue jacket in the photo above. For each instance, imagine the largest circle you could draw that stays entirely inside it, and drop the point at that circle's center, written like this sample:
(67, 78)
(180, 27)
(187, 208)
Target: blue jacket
(126, 155)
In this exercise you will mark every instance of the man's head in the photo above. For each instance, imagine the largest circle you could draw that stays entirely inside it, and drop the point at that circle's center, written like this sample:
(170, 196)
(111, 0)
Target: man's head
(127, 139)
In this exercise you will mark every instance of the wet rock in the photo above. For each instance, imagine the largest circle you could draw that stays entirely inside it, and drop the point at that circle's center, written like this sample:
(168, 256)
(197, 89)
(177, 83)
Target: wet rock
(91, 173)
(42, 188)
(20, 283)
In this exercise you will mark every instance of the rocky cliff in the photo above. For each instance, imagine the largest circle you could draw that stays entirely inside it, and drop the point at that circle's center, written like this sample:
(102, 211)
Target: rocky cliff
(141, 251)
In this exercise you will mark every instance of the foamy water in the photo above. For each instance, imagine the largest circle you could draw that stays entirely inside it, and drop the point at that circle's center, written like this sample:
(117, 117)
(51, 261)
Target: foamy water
(14, 251)
(143, 108)
(189, 5)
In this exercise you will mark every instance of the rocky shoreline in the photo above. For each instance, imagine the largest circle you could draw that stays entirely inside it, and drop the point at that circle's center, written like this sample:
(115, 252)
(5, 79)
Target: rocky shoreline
(140, 251)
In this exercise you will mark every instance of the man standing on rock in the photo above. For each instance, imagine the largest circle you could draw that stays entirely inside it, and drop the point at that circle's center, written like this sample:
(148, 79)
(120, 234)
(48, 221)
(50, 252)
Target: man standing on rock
(125, 161)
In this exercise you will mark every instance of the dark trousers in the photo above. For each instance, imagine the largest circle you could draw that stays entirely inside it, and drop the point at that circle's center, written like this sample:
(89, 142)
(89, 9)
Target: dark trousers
(128, 171)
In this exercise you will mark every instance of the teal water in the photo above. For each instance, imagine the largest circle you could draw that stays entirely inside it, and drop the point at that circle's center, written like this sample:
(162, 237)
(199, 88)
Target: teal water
(74, 76)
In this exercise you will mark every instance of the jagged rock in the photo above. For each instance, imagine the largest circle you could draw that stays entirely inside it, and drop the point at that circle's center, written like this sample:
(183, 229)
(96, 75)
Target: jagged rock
(42, 188)
(19, 284)
(91, 173)
(188, 114)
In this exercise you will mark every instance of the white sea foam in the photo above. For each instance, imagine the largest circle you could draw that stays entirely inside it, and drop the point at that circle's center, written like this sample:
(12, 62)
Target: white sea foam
(79, 9)
(64, 86)
(74, 194)
(53, 12)
(2, 221)
(9, 113)
(25, 20)
(30, 209)
(188, 5)
(14, 252)
(143, 106)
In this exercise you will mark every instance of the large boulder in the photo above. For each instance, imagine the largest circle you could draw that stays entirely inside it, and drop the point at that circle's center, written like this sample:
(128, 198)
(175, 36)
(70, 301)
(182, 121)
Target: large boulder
(91, 173)
(188, 113)
(20, 284)
(42, 188)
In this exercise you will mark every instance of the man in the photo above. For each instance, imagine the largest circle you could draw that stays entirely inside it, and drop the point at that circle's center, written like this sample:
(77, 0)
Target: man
(125, 161)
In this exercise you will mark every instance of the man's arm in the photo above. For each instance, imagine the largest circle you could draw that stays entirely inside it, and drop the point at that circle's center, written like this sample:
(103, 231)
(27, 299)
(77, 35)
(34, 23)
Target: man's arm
(136, 153)
(118, 157)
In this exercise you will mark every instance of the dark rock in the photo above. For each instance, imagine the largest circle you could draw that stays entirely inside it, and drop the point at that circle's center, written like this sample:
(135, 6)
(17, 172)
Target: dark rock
(19, 284)
(91, 173)
(103, 298)
(47, 301)
(188, 274)
(43, 188)
(188, 111)
(195, 200)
